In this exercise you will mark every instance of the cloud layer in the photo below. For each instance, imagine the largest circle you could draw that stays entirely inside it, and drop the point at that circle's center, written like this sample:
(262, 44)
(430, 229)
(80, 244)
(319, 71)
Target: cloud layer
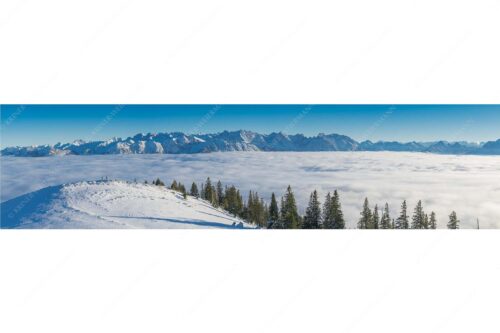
(468, 184)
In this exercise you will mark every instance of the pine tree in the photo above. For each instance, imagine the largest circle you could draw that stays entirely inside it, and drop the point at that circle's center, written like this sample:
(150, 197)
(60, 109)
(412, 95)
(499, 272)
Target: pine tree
(274, 213)
(233, 202)
(333, 217)
(312, 220)
(255, 210)
(454, 222)
(327, 220)
(426, 222)
(366, 216)
(208, 189)
(210, 193)
(385, 221)
(248, 206)
(202, 192)
(336, 212)
(375, 218)
(433, 221)
(265, 214)
(239, 203)
(280, 223)
(220, 193)
(289, 214)
(181, 188)
(174, 185)
(194, 190)
(158, 182)
(215, 199)
(418, 219)
(402, 222)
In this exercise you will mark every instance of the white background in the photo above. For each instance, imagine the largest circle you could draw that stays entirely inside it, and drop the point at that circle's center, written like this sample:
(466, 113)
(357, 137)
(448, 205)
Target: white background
(307, 52)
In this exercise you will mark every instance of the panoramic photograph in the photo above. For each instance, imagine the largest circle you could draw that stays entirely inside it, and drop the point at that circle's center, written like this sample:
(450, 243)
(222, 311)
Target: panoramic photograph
(250, 166)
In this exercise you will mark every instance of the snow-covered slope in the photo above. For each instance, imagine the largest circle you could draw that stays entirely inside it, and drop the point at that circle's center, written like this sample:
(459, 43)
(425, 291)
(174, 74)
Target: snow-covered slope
(112, 204)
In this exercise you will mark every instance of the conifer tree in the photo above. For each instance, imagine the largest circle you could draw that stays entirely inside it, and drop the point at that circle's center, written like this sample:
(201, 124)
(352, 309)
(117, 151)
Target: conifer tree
(333, 217)
(289, 214)
(260, 212)
(247, 207)
(433, 221)
(312, 219)
(182, 188)
(385, 221)
(174, 185)
(208, 189)
(210, 193)
(454, 222)
(220, 193)
(426, 222)
(233, 202)
(327, 220)
(194, 190)
(402, 222)
(202, 192)
(239, 203)
(336, 212)
(366, 216)
(418, 219)
(265, 213)
(214, 200)
(375, 218)
(252, 205)
(280, 223)
(274, 213)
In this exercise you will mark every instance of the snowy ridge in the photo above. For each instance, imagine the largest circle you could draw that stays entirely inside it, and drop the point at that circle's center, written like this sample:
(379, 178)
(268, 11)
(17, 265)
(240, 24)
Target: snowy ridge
(110, 205)
(180, 143)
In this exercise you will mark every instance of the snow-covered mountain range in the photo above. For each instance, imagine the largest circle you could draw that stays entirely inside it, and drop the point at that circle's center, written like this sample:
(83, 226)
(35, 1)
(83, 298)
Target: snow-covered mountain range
(110, 205)
(180, 143)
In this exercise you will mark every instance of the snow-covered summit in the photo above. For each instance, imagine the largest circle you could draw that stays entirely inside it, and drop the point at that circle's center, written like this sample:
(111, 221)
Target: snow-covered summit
(181, 143)
(112, 204)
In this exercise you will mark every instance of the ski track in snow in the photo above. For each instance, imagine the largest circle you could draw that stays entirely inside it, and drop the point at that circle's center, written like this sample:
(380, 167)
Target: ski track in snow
(468, 184)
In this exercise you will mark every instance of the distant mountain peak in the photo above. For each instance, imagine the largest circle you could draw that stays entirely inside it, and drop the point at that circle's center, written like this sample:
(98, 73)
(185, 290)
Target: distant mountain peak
(243, 140)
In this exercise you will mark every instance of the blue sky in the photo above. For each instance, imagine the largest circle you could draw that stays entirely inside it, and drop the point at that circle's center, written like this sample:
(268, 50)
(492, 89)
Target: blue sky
(49, 124)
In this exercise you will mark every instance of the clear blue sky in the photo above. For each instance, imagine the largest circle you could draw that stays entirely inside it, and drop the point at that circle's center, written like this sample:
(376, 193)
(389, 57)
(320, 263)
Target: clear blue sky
(42, 124)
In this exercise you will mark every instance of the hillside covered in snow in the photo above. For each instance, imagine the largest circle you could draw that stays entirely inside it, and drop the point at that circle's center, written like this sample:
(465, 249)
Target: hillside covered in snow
(111, 205)
(180, 143)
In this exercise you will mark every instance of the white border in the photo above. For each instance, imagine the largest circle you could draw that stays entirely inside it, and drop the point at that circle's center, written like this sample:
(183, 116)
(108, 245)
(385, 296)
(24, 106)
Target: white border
(196, 51)
(310, 52)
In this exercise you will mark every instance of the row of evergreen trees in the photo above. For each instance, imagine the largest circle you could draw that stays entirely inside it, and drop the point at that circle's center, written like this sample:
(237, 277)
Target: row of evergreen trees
(327, 216)
(420, 220)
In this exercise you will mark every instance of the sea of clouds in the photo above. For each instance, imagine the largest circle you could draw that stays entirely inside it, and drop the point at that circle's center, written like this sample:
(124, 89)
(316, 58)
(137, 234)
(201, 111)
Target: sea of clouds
(468, 184)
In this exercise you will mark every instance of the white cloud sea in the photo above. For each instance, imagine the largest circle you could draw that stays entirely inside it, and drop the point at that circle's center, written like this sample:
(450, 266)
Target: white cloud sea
(468, 184)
